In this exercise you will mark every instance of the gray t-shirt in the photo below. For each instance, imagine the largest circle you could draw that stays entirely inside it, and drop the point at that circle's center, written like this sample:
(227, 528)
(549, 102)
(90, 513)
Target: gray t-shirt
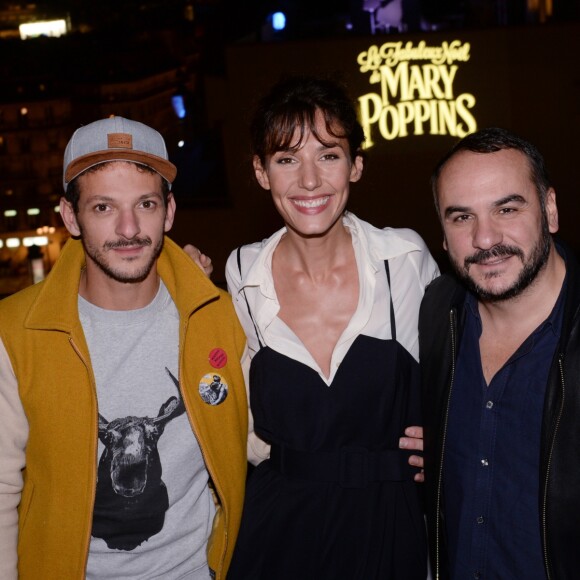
(153, 509)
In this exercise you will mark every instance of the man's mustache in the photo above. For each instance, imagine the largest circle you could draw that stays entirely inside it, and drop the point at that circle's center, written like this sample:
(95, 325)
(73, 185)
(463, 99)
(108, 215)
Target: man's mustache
(135, 242)
(499, 251)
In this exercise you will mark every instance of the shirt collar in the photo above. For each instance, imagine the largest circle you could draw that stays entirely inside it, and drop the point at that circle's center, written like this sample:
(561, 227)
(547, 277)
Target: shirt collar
(378, 245)
(260, 272)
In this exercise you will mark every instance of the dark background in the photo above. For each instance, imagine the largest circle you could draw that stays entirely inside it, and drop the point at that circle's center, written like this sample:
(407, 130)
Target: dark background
(129, 58)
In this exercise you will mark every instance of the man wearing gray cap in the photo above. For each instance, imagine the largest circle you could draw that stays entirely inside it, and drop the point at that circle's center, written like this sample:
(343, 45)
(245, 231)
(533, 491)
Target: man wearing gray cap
(114, 462)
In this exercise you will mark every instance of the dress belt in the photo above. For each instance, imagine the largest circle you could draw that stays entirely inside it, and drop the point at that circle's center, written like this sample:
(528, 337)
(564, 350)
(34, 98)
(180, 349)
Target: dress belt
(349, 467)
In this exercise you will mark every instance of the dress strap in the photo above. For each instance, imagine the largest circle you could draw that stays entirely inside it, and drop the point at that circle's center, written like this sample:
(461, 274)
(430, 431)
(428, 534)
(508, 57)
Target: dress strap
(239, 257)
(393, 325)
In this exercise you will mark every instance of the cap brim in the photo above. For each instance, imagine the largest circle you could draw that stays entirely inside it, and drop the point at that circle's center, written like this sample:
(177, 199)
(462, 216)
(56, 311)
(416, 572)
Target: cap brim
(162, 166)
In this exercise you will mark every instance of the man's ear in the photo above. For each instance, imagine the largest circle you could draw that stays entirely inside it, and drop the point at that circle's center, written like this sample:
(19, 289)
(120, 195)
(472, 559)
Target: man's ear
(69, 217)
(261, 173)
(552, 211)
(170, 213)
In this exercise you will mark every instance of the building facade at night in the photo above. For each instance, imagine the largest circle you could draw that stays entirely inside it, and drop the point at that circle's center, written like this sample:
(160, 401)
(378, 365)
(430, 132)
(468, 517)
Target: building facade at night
(51, 86)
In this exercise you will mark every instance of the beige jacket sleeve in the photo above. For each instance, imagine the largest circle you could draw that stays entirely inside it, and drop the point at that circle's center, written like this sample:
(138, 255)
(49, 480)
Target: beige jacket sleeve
(13, 437)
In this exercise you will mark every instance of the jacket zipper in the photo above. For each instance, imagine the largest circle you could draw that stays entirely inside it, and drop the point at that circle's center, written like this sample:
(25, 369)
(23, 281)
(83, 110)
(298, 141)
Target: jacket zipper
(440, 474)
(545, 499)
(94, 464)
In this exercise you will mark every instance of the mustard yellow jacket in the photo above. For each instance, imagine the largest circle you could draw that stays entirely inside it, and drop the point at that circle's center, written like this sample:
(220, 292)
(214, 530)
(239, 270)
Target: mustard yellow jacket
(44, 344)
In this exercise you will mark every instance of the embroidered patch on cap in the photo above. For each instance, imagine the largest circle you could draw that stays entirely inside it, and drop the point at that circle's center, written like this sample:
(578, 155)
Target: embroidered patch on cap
(218, 358)
(119, 141)
(212, 389)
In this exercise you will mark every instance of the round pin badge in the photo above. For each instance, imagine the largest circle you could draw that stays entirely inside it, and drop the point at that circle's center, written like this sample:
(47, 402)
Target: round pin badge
(218, 358)
(212, 389)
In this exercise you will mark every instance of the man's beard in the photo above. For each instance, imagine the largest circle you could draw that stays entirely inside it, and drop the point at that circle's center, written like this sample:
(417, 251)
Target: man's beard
(99, 258)
(532, 266)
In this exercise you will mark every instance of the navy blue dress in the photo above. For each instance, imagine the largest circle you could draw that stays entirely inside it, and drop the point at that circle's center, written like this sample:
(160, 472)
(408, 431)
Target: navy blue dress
(336, 499)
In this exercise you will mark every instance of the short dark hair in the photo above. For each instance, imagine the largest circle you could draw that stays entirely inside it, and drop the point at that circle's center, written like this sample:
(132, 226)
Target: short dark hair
(73, 190)
(291, 106)
(491, 140)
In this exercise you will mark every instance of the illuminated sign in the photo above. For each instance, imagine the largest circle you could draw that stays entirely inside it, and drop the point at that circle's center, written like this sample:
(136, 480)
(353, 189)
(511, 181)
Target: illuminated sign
(415, 91)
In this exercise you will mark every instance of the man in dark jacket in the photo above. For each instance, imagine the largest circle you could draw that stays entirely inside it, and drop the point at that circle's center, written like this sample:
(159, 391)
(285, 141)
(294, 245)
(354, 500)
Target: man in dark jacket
(500, 354)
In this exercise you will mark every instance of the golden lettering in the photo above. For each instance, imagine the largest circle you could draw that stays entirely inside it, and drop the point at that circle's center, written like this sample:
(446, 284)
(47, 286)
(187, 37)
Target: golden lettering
(447, 76)
(416, 98)
(422, 114)
(393, 53)
(369, 60)
(465, 102)
(370, 110)
(406, 113)
(389, 134)
(420, 117)
(446, 117)
(434, 119)
(391, 80)
(416, 84)
(432, 75)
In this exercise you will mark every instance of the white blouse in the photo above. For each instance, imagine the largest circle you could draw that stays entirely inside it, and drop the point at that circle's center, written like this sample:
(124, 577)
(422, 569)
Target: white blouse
(411, 269)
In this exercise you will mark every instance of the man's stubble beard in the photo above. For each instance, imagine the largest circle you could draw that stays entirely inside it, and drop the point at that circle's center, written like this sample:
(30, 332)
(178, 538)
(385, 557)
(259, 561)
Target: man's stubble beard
(532, 267)
(97, 256)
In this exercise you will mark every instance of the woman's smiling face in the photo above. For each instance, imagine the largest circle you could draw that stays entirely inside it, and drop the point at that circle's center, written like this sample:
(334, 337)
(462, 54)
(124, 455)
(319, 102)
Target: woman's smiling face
(310, 184)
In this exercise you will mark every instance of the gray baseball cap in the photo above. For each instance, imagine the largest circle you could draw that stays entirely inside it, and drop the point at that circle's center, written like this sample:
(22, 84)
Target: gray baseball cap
(116, 139)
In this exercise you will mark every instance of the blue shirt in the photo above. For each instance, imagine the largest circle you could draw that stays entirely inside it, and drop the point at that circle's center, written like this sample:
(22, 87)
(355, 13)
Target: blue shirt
(492, 456)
